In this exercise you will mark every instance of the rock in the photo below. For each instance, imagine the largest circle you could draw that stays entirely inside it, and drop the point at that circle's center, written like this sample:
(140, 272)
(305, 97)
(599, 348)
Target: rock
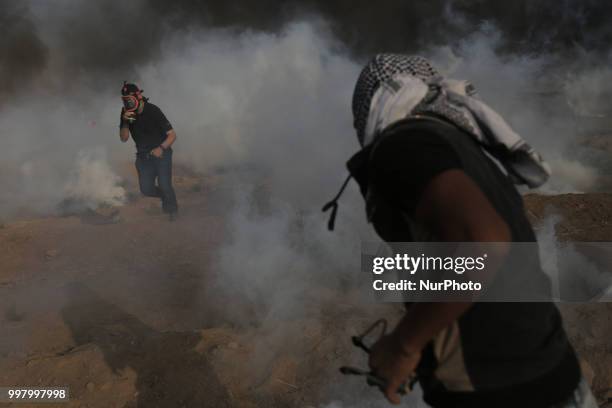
(51, 253)
(107, 211)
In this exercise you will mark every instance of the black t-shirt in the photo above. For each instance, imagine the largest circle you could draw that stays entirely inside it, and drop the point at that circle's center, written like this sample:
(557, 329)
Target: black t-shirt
(149, 129)
(405, 164)
(514, 354)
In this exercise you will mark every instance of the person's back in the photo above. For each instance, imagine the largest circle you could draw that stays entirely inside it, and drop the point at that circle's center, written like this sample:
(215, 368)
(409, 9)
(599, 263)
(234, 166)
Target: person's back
(507, 352)
(426, 178)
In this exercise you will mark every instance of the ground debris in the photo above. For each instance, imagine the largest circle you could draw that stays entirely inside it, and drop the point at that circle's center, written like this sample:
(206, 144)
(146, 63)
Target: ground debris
(51, 253)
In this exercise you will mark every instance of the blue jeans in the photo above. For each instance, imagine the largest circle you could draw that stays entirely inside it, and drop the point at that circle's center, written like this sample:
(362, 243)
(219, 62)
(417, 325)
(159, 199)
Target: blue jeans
(151, 168)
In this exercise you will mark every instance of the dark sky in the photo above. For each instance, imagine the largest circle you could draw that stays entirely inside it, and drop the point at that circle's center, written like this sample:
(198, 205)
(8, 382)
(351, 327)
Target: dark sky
(109, 37)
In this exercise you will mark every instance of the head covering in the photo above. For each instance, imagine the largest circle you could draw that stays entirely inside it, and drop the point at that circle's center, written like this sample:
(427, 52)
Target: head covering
(395, 87)
(132, 97)
(129, 88)
(382, 68)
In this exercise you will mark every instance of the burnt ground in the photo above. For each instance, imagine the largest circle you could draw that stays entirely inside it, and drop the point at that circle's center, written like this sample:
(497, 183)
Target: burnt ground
(115, 305)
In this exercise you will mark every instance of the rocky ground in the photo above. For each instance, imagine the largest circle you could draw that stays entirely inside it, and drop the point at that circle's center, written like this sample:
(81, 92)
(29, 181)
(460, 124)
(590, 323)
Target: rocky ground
(114, 304)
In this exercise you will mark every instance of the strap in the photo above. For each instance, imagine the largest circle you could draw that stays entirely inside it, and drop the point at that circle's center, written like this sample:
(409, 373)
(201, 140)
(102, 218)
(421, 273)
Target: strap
(333, 204)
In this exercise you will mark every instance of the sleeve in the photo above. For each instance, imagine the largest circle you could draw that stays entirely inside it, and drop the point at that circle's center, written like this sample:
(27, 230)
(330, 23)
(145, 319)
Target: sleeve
(404, 164)
(120, 118)
(163, 122)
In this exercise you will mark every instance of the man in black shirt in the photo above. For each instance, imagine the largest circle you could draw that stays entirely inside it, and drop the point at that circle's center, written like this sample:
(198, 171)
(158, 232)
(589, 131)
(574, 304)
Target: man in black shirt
(425, 177)
(154, 136)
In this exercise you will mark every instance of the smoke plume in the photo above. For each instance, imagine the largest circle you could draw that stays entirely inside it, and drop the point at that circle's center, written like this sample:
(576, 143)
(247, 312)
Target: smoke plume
(263, 93)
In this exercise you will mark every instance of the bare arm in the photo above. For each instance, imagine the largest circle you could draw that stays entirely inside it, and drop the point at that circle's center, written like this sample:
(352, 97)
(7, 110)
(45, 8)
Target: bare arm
(170, 139)
(457, 211)
(455, 208)
(124, 131)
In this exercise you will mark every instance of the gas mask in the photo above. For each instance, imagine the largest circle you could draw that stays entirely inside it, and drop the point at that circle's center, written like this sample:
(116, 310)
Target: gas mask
(132, 97)
(131, 103)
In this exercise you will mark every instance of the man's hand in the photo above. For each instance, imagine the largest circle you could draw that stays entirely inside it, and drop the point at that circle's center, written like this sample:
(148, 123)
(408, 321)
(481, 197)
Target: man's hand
(391, 362)
(128, 116)
(157, 152)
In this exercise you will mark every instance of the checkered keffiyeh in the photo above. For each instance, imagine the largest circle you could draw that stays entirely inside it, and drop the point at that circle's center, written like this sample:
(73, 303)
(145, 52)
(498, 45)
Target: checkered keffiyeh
(451, 99)
(381, 68)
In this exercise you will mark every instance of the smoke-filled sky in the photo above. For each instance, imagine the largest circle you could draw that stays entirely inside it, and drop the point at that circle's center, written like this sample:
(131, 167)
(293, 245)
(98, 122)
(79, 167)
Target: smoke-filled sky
(267, 86)
(109, 39)
(257, 84)
(262, 90)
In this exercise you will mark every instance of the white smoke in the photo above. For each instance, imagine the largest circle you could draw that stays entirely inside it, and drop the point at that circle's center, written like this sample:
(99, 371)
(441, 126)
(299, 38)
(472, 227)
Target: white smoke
(547, 244)
(589, 92)
(93, 182)
(570, 176)
(273, 110)
(577, 271)
(356, 393)
(277, 102)
(533, 97)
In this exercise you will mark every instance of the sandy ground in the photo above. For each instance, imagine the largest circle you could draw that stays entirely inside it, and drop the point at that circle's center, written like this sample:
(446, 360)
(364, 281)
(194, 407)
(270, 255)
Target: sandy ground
(114, 305)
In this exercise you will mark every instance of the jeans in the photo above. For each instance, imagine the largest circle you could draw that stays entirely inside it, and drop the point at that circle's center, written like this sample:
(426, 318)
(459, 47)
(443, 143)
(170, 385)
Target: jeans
(150, 168)
(582, 397)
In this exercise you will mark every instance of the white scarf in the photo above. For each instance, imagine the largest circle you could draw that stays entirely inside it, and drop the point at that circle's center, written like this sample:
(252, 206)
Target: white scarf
(404, 95)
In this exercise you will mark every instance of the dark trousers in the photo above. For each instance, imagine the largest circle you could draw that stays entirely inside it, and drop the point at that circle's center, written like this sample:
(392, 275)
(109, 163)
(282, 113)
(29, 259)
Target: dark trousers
(150, 168)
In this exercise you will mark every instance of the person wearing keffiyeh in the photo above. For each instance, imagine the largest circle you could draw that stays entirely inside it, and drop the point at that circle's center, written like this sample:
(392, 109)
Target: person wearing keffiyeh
(438, 164)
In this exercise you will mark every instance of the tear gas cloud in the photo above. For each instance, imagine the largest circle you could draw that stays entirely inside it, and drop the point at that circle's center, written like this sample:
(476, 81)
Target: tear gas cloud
(264, 94)
(274, 98)
(270, 106)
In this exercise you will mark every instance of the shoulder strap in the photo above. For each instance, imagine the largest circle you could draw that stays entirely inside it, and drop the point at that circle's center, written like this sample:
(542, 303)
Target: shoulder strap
(333, 204)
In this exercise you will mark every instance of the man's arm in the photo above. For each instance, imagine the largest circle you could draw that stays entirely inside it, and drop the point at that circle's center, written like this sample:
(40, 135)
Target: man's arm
(124, 129)
(124, 133)
(456, 210)
(170, 138)
(165, 125)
